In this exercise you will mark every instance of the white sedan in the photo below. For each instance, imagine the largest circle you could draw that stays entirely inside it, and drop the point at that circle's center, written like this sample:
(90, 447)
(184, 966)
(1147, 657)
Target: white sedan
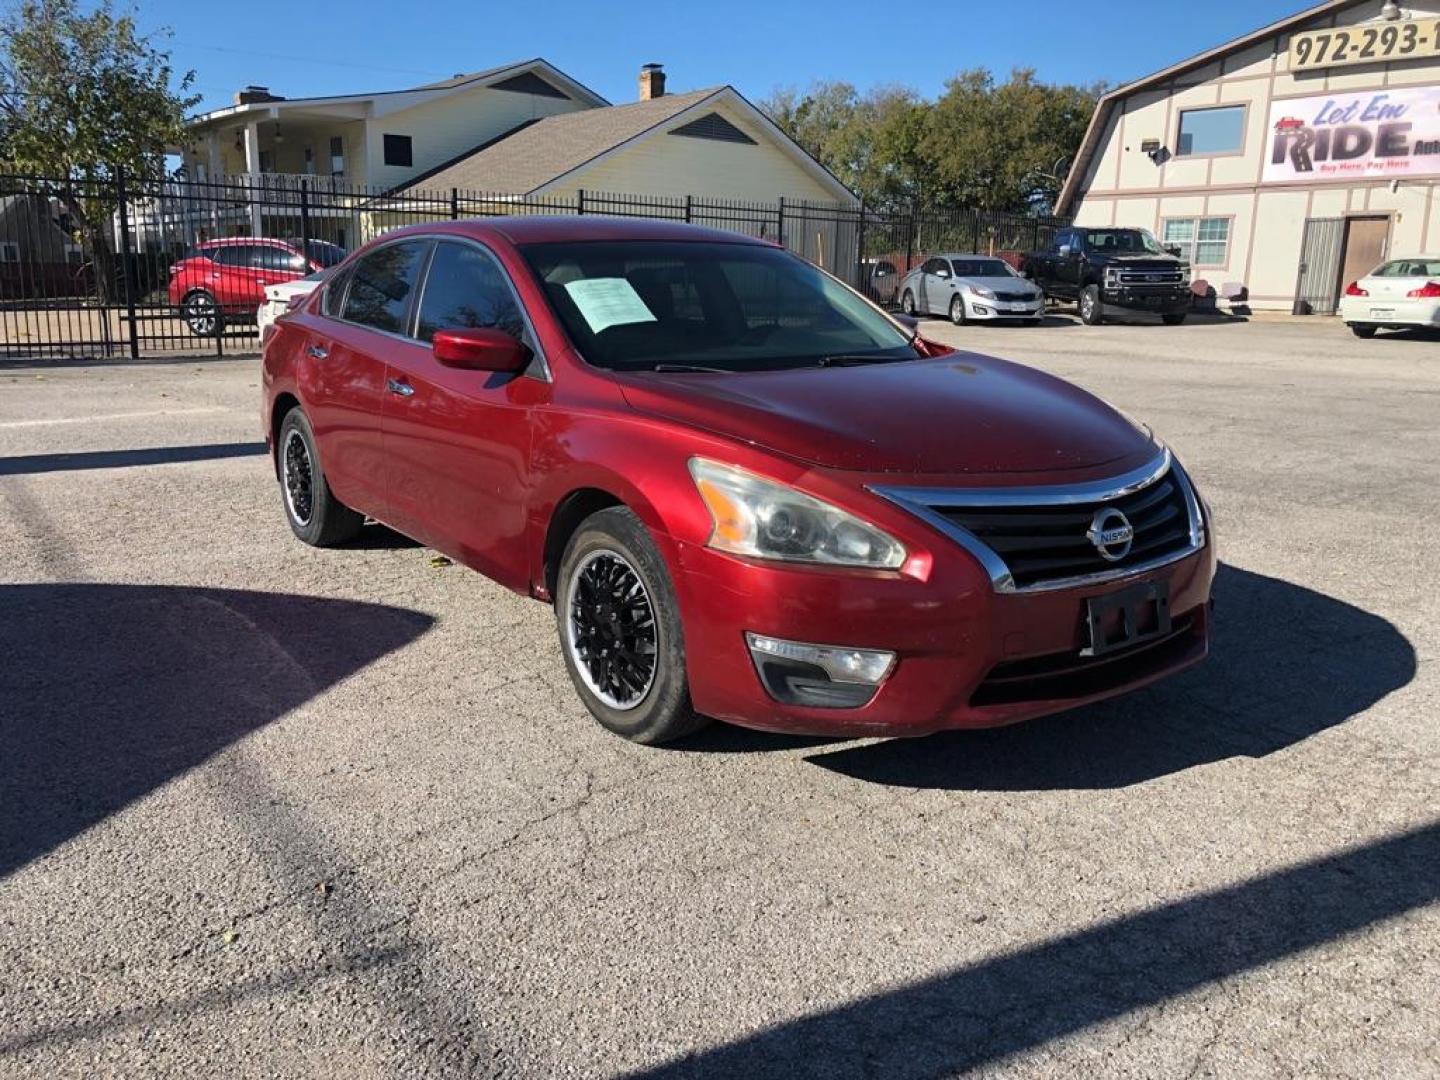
(970, 287)
(1399, 293)
(282, 297)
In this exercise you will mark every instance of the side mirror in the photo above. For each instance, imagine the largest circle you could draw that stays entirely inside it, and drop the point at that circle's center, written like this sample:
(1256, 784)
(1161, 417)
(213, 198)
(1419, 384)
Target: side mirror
(479, 350)
(1065, 250)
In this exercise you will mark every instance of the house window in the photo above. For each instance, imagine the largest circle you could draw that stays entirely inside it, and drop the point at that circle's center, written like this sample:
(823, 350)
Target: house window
(397, 150)
(1212, 131)
(267, 161)
(309, 161)
(9, 252)
(337, 156)
(1202, 241)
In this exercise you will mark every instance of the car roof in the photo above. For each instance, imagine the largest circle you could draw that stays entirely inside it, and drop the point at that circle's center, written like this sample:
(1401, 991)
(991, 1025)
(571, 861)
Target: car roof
(968, 255)
(545, 229)
(231, 241)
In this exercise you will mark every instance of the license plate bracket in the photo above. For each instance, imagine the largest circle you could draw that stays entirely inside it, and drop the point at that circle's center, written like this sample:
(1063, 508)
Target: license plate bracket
(1126, 617)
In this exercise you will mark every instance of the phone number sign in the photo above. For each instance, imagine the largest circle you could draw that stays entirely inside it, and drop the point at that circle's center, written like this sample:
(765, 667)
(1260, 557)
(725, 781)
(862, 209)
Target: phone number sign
(1356, 135)
(1365, 43)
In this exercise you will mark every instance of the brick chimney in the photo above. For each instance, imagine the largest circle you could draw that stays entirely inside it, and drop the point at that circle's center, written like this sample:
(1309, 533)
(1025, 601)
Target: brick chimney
(253, 95)
(652, 81)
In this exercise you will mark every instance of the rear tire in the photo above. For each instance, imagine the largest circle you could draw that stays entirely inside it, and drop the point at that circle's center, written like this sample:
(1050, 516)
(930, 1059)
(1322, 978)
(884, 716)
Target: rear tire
(1362, 331)
(314, 514)
(1092, 311)
(620, 630)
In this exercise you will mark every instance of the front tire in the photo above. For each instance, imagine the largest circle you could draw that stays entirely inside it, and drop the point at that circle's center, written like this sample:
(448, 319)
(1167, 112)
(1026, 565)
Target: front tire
(202, 314)
(620, 630)
(1362, 331)
(1092, 311)
(957, 310)
(314, 514)
(907, 303)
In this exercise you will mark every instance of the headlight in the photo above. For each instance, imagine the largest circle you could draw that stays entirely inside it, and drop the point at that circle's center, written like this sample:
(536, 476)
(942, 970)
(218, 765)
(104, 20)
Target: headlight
(766, 520)
(1112, 277)
(980, 290)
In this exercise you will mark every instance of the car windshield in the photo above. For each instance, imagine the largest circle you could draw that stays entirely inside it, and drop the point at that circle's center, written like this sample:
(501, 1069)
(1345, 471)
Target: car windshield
(1124, 242)
(982, 268)
(639, 305)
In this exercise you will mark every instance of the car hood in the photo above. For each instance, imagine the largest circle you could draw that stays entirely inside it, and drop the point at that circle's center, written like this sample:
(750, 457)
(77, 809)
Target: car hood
(961, 413)
(1141, 262)
(1001, 284)
(287, 289)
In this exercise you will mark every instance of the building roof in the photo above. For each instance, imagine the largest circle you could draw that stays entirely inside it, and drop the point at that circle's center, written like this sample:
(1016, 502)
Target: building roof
(455, 82)
(537, 152)
(1090, 144)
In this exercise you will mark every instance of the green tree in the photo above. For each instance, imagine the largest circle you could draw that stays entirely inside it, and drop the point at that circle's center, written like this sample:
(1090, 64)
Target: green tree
(85, 93)
(997, 146)
(1006, 146)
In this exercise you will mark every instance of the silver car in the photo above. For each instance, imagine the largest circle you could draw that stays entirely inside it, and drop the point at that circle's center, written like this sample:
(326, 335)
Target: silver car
(969, 288)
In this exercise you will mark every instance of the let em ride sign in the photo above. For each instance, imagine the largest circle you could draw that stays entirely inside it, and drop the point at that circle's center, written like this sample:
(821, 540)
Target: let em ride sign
(1365, 43)
(1342, 136)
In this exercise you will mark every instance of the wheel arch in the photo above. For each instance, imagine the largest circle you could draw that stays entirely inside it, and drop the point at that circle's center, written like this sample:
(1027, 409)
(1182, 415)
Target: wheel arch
(284, 402)
(565, 519)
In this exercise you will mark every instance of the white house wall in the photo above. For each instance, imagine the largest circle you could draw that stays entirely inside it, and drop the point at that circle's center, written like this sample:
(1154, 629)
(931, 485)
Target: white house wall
(677, 165)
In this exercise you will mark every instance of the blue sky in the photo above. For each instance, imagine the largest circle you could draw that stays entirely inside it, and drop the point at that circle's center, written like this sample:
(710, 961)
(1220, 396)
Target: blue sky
(301, 49)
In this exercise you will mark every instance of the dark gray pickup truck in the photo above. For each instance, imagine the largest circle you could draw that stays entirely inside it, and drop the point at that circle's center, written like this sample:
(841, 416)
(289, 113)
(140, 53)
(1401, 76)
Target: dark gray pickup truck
(1105, 269)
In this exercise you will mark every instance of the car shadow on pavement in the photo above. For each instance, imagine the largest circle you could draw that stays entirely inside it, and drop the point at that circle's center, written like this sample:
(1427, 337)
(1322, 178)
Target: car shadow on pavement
(119, 459)
(110, 691)
(979, 1015)
(1287, 663)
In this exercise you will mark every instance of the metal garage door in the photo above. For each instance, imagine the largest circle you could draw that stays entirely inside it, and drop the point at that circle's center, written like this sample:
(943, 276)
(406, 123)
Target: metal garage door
(1318, 287)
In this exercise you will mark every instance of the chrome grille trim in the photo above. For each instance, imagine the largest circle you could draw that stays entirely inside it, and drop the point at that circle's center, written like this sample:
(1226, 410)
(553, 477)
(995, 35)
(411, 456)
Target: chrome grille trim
(922, 501)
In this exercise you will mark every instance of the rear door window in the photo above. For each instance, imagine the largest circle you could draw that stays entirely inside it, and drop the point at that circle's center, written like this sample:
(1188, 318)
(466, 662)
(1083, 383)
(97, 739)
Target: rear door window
(381, 286)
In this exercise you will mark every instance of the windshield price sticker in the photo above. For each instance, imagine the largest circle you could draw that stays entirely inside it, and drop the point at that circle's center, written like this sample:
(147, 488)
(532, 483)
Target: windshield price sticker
(606, 302)
(1372, 43)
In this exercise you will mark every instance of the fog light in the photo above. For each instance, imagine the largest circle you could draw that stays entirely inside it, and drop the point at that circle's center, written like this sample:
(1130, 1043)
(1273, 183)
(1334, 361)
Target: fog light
(868, 666)
(818, 676)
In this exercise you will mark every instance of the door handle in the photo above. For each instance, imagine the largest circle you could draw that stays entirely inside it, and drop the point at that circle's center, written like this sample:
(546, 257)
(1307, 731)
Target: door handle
(395, 386)
(316, 352)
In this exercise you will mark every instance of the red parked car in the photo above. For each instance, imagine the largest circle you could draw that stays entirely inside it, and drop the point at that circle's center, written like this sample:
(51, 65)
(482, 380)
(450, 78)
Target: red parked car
(748, 492)
(220, 280)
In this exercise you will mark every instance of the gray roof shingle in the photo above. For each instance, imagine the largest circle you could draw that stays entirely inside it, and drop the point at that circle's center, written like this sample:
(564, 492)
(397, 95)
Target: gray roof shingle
(536, 153)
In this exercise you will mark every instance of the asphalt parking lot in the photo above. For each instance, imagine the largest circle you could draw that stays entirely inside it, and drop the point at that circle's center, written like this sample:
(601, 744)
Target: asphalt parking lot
(266, 810)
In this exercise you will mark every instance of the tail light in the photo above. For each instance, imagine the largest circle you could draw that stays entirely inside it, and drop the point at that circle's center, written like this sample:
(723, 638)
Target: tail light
(1429, 291)
(1353, 289)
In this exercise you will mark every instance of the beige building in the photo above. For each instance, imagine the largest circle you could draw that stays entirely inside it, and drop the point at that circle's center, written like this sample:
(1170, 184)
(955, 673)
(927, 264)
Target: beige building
(1283, 164)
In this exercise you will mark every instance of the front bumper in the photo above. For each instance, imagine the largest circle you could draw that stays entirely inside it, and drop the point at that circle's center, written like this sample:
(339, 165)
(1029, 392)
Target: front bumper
(967, 656)
(1154, 301)
(982, 309)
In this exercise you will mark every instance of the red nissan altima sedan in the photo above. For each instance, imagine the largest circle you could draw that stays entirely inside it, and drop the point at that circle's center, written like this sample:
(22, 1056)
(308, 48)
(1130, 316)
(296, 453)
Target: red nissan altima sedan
(749, 493)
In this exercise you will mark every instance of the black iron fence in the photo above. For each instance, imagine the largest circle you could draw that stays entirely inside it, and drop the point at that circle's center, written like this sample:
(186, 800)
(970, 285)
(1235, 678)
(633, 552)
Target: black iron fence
(104, 268)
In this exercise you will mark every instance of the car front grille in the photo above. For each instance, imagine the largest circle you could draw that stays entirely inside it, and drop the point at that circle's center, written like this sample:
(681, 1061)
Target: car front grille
(1047, 540)
(1150, 279)
(1016, 297)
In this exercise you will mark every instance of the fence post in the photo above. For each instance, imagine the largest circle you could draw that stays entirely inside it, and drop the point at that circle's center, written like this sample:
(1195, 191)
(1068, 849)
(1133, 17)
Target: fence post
(689, 204)
(580, 201)
(910, 240)
(862, 278)
(454, 204)
(305, 217)
(780, 221)
(125, 269)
